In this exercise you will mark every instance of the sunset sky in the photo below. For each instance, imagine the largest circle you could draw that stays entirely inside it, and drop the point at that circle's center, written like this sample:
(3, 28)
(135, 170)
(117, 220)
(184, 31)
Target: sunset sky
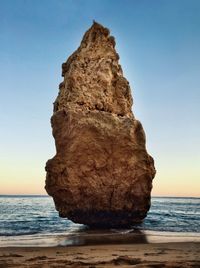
(159, 46)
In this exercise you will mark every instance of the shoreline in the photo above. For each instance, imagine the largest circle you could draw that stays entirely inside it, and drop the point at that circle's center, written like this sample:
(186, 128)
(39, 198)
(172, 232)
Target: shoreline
(87, 237)
(158, 255)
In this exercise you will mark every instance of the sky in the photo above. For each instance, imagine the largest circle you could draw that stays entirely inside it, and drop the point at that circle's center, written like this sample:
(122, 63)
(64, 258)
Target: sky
(159, 46)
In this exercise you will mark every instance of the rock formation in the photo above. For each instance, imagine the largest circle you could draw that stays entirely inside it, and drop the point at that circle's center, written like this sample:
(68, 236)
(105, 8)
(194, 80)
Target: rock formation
(101, 174)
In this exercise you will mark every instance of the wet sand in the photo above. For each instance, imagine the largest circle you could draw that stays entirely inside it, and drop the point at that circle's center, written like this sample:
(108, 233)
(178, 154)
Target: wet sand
(88, 237)
(182, 254)
(101, 248)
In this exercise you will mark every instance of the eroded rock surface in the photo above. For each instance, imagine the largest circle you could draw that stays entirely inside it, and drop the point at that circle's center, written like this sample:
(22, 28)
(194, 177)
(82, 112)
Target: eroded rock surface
(101, 174)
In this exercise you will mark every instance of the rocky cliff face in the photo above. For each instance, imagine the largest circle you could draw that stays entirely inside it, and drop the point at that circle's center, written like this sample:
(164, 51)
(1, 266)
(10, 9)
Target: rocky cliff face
(101, 174)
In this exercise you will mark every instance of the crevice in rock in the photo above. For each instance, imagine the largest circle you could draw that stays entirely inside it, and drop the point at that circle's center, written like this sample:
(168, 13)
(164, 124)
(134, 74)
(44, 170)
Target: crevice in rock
(111, 196)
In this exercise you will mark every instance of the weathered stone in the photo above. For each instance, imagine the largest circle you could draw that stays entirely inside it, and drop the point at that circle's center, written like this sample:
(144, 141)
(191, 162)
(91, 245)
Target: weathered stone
(101, 174)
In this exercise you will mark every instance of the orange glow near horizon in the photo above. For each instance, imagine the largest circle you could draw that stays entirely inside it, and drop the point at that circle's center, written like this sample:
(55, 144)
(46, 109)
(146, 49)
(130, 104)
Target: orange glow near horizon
(16, 182)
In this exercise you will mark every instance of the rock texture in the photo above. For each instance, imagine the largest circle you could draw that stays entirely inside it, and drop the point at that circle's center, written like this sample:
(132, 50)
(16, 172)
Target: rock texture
(101, 174)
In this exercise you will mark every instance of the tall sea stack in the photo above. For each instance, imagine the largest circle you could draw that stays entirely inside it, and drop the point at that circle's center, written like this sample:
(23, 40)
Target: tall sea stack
(101, 174)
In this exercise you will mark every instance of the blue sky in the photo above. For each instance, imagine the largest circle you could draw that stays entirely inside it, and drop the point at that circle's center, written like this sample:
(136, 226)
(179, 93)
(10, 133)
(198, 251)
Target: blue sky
(159, 46)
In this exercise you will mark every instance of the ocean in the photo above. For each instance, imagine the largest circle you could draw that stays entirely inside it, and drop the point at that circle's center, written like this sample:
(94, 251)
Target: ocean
(33, 218)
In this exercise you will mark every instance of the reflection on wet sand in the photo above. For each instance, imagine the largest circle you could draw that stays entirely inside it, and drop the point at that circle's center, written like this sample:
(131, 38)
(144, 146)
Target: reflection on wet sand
(88, 236)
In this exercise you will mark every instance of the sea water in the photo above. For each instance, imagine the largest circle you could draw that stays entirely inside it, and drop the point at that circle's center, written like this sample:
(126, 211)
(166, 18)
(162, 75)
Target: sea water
(35, 216)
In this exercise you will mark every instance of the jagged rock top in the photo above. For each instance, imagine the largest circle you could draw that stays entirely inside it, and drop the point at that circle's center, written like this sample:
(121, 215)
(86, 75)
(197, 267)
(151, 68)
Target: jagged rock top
(93, 77)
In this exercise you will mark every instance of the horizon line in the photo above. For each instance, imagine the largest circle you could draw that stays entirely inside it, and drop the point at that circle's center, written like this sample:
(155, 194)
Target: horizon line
(46, 195)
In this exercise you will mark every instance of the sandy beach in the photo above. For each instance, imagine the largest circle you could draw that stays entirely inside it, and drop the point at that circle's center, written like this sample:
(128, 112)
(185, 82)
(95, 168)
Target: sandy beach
(183, 254)
(93, 249)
